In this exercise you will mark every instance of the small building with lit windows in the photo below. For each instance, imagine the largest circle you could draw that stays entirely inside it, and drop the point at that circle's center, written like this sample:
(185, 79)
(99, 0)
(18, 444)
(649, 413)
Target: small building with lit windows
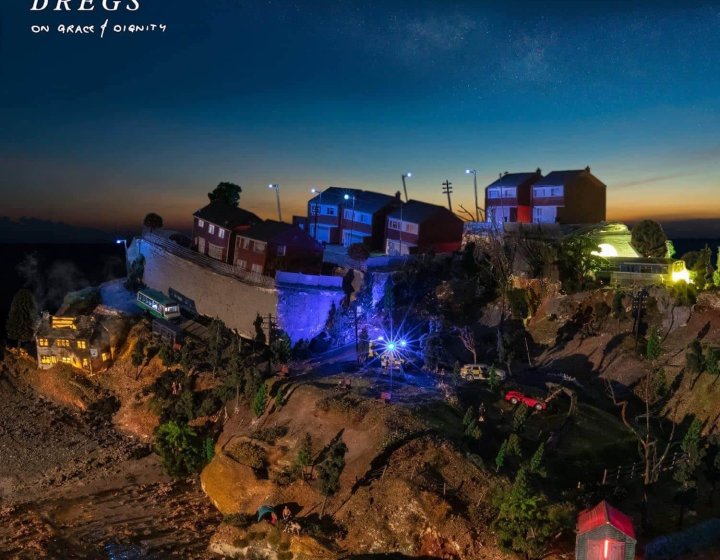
(215, 227)
(80, 342)
(420, 227)
(604, 533)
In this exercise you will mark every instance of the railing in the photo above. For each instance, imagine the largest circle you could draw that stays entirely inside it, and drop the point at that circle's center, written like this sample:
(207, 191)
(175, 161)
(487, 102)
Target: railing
(203, 260)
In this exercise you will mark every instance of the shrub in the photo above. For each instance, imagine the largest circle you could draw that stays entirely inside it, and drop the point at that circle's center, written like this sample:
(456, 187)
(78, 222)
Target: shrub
(694, 361)
(181, 449)
(260, 400)
(270, 434)
(248, 453)
(712, 361)
(519, 303)
(618, 305)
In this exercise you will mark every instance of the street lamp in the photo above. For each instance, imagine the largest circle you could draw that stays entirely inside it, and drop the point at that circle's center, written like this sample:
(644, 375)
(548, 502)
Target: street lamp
(474, 174)
(277, 193)
(348, 197)
(404, 176)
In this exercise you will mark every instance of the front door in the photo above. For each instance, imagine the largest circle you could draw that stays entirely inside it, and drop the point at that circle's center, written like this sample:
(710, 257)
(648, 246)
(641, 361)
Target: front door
(201, 245)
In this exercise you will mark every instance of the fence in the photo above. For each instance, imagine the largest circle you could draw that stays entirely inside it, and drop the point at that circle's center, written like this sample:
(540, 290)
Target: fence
(208, 262)
(624, 472)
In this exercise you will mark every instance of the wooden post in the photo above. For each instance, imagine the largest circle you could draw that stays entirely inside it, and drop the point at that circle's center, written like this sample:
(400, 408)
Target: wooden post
(604, 480)
(383, 473)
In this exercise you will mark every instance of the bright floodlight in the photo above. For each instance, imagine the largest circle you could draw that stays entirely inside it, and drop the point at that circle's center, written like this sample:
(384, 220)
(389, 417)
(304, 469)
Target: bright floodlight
(467, 171)
(391, 346)
(313, 191)
(403, 343)
(408, 174)
(347, 197)
(119, 241)
(270, 186)
(381, 338)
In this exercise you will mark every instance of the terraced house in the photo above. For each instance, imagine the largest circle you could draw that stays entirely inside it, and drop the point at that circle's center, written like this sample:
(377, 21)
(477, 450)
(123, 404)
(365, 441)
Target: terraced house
(215, 227)
(80, 342)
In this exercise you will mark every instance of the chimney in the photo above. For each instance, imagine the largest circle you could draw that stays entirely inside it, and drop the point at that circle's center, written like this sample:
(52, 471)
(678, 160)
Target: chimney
(506, 173)
(538, 171)
(587, 169)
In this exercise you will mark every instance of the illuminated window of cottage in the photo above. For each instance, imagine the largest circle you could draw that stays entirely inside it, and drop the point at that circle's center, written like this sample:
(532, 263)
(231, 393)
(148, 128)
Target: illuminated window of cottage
(42, 341)
(105, 356)
(66, 360)
(46, 360)
(81, 344)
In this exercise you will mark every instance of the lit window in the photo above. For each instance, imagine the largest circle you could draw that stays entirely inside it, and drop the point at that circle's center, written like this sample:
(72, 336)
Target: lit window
(281, 250)
(259, 247)
(85, 362)
(394, 224)
(211, 228)
(42, 341)
(245, 243)
(509, 192)
(105, 356)
(221, 233)
(493, 193)
(46, 360)
(81, 344)
(330, 210)
(62, 343)
(66, 360)
(201, 224)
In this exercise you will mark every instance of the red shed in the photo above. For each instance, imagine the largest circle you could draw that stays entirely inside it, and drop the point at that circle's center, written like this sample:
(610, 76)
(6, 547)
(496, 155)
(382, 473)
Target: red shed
(604, 533)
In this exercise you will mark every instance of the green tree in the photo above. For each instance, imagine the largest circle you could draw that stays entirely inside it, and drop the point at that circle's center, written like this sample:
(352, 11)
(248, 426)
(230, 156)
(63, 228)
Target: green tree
(23, 317)
(431, 351)
(493, 379)
(153, 221)
(649, 239)
(716, 274)
(258, 323)
(670, 249)
(260, 400)
(699, 263)
(519, 419)
(653, 349)
(473, 431)
(167, 355)
(712, 363)
(526, 524)
(280, 348)
(577, 262)
(304, 455)
(501, 456)
(227, 193)
(537, 461)
(330, 469)
(138, 355)
(469, 416)
(182, 451)
(216, 344)
(685, 472)
(388, 300)
(513, 446)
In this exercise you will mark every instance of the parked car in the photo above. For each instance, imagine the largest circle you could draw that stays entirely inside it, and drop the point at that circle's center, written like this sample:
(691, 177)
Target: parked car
(480, 372)
(516, 397)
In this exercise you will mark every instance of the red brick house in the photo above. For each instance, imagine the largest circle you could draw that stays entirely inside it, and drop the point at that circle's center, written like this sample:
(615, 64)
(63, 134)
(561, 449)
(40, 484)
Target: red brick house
(509, 198)
(269, 246)
(417, 227)
(569, 197)
(215, 227)
(346, 216)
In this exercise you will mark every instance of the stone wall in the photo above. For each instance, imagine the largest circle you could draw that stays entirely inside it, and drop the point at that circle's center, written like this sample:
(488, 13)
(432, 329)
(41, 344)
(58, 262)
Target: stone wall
(301, 309)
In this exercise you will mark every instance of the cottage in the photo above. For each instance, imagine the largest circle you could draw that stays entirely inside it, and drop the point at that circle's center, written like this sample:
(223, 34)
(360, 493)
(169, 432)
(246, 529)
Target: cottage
(418, 227)
(604, 533)
(569, 197)
(80, 342)
(215, 227)
(269, 246)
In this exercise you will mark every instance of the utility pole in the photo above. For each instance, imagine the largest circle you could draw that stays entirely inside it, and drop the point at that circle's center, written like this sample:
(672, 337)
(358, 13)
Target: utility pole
(447, 189)
(277, 194)
(477, 208)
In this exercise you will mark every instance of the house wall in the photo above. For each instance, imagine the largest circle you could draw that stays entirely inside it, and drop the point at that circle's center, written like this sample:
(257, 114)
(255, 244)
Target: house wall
(302, 254)
(249, 255)
(585, 201)
(214, 238)
(442, 231)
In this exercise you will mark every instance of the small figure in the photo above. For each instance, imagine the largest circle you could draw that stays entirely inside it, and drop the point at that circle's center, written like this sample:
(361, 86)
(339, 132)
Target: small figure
(286, 513)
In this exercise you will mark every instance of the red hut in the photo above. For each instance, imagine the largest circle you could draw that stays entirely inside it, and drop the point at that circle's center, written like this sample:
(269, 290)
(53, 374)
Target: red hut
(604, 533)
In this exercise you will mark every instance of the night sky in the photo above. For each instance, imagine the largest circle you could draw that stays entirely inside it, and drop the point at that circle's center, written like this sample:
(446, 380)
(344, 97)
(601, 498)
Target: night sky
(305, 94)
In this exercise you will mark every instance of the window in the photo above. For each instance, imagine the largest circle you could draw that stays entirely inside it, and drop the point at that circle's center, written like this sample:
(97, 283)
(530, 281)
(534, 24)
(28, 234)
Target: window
(394, 224)
(314, 209)
(259, 247)
(66, 360)
(281, 250)
(242, 264)
(329, 210)
(221, 233)
(410, 228)
(85, 362)
(211, 228)
(349, 214)
(81, 344)
(245, 243)
(42, 341)
(47, 360)
(201, 224)
(257, 269)
(62, 343)
(510, 192)
(105, 356)
(493, 193)
(546, 192)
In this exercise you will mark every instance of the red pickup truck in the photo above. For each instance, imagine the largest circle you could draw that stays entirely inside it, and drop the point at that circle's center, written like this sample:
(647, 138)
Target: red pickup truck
(516, 397)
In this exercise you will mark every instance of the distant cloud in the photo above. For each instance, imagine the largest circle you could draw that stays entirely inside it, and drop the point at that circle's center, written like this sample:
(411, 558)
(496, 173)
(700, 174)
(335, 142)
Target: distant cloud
(651, 180)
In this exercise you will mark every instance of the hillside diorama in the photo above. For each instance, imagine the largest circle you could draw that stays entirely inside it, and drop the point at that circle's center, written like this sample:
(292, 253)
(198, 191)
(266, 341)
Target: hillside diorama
(522, 396)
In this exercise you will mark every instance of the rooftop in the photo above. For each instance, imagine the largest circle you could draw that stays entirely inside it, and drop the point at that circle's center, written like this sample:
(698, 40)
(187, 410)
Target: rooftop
(365, 201)
(515, 179)
(561, 178)
(221, 214)
(267, 230)
(416, 211)
(604, 514)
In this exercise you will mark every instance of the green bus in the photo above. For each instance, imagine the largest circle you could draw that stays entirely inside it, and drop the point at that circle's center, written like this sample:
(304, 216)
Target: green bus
(158, 304)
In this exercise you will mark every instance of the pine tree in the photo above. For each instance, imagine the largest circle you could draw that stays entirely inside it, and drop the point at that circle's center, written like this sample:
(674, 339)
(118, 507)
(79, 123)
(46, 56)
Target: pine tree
(519, 419)
(260, 400)
(260, 338)
(653, 349)
(493, 379)
(536, 461)
(305, 453)
(686, 469)
(23, 316)
(469, 416)
(500, 457)
(712, 363)
(473, 431)
(329, 471)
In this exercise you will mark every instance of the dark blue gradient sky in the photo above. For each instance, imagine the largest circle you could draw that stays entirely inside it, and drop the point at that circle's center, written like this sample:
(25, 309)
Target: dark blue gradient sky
(354, 93)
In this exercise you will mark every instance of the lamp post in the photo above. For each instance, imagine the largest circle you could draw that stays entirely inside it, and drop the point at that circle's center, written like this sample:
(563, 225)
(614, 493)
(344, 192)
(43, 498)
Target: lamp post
(316, 211)
(405, 176)
(474, 174)
(348, 197)
(277, 194)
(123, 242)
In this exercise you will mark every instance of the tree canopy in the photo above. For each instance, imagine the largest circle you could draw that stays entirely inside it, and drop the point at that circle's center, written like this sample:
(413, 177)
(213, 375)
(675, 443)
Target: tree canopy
(649, 239)
(229, 193)
(153, 221)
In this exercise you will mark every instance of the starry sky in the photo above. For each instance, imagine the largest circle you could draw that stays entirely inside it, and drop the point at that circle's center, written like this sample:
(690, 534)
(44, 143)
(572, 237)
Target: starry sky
(353, 93)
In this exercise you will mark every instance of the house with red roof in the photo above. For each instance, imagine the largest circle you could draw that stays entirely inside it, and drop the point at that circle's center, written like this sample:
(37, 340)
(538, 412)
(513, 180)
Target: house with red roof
(604, 533)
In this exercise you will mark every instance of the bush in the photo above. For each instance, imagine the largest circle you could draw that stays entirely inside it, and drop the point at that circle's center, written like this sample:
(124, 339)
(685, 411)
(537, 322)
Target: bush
(694, 360)
(249, 454)
(271, 434)
(519, 303)
(182, 451)
(260, 400)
